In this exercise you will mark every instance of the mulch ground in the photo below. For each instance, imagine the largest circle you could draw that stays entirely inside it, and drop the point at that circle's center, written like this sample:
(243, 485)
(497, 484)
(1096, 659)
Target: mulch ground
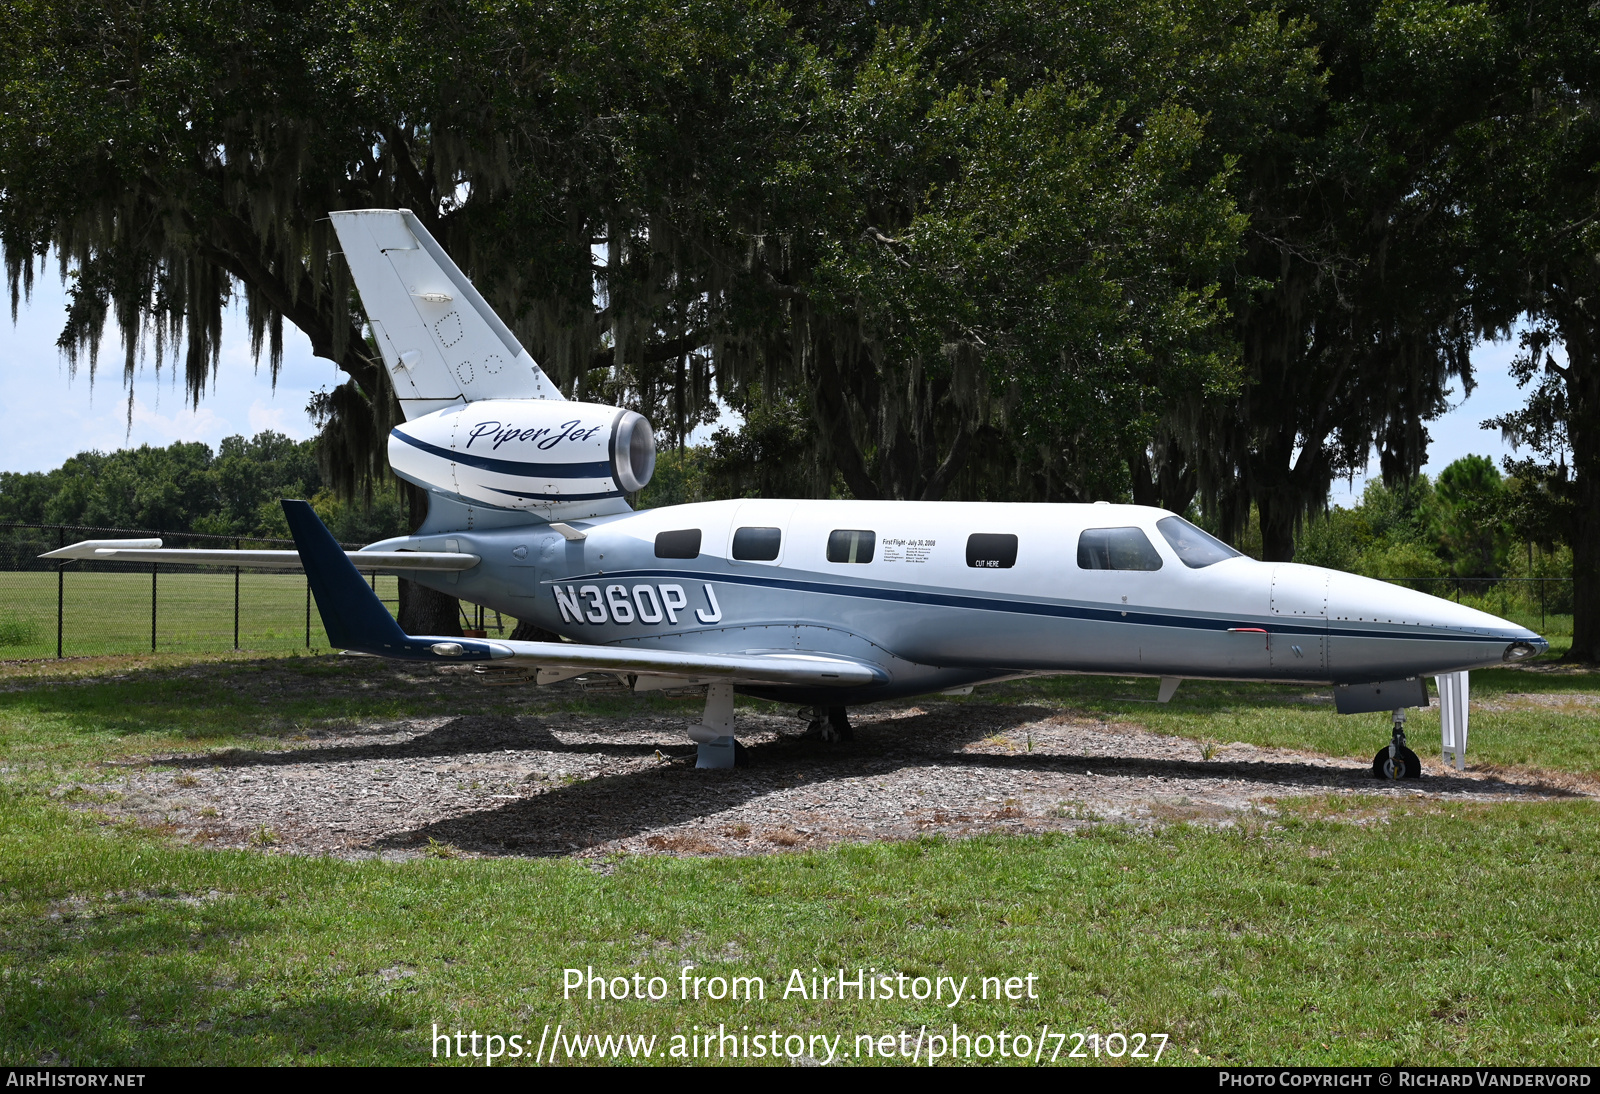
(559, 784)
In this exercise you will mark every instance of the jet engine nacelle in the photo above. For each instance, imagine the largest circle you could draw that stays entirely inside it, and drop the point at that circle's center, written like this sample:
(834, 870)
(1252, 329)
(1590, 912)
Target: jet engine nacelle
(527, 454)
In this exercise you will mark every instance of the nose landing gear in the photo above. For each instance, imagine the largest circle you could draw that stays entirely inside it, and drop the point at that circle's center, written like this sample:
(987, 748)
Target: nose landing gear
(831, 724)
(1397, 761)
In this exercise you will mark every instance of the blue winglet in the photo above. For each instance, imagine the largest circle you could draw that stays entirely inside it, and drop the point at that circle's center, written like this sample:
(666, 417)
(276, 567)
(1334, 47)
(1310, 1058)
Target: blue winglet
(352, 614)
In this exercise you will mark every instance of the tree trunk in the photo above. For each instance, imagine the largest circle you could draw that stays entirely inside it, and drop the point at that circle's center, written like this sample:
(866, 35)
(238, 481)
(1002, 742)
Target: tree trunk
(1583, 434)
(424, 610)
(1277, 528)
(1169, 481)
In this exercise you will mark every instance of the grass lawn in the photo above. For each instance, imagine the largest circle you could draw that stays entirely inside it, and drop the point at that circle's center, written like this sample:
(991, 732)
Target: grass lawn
(1341, 930)
(1549, 721)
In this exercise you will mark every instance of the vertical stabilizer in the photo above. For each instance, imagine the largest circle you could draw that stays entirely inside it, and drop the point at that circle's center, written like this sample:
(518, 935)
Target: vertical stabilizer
(441, 342)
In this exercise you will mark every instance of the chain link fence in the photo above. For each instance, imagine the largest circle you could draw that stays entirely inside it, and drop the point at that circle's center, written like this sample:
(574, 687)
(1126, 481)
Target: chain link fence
(82, 608)
(1539, 603)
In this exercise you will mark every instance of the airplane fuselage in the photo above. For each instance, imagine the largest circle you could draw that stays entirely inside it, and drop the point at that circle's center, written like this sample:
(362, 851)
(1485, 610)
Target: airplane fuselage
(944, 594)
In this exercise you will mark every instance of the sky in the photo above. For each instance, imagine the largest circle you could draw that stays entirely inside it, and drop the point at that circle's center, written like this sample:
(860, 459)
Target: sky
(51, 414)
(1457, 433)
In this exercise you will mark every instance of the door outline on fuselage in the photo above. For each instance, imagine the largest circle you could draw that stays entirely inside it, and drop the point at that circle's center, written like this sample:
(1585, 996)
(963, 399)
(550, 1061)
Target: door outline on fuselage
(761, 513)
(1300, 604)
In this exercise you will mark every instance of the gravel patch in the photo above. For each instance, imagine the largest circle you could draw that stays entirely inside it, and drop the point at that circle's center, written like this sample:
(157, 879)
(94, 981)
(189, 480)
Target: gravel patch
(588, 785)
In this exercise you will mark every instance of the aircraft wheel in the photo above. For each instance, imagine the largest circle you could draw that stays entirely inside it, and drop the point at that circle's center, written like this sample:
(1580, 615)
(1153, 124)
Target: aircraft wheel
(1405, 764)
(741, 755)
(839, 722)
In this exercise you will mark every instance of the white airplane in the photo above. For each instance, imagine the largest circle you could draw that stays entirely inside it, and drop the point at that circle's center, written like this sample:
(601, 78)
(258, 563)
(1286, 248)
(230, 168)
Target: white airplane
(825, 603)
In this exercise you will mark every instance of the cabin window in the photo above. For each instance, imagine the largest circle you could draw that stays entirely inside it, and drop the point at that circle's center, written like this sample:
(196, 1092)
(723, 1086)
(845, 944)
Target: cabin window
(992, 550)
(1195, 548)
(851, 545)
(757, 544)
(683, 543)
(1116, 549)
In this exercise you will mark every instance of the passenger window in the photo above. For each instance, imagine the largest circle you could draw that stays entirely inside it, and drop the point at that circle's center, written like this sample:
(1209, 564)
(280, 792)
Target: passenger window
(757, 544)
(684, 543)
(992, 550)
(1116, 549)
(849, 545)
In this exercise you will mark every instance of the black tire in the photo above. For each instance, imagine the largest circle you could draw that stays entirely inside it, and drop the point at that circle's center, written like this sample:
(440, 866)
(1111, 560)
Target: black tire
(839, 719)
(741, 755)
(1410, 767)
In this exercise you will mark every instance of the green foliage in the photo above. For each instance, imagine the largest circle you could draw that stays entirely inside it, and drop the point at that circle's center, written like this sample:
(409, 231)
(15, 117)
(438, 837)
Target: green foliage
(1540, 501)
(1465, 526)
(772, 454)
(16, 630)
(680, 478)
(1333, 540)
(1405, 561)
(1420, 529)
(185, 488)
(994, 238)
(1472, 531)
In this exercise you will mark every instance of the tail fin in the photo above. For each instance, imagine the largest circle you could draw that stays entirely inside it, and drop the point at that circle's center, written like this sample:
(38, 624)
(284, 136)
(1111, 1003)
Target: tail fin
(441, 342)
(352, 614)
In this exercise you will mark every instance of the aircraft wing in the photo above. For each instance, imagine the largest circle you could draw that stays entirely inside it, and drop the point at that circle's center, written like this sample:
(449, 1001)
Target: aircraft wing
(150, 550)
(660, 668)
(356, 620)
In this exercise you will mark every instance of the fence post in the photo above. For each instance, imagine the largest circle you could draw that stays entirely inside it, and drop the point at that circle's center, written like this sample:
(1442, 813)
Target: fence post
(61, 588)
(236, 546)
(154, 566)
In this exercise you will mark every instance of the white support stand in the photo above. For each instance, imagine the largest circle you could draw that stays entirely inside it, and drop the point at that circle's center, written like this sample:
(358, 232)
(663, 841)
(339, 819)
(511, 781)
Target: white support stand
(1453, 708)
(1169, 688)
(714, 734)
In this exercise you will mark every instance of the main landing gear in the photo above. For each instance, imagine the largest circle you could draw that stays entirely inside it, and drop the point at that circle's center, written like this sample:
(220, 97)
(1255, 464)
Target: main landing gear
(1397, 761)
(830, 724)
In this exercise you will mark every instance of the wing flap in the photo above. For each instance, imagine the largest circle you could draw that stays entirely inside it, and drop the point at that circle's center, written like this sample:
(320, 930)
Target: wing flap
(797, 667)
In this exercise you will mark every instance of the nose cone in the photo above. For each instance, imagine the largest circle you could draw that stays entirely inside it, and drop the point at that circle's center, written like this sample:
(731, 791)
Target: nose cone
(1366, 600)
(1422, 633)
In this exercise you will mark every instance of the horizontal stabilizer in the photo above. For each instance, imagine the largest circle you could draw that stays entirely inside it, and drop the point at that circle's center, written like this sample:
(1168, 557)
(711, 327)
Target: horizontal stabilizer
(150, 550)
(441, 342)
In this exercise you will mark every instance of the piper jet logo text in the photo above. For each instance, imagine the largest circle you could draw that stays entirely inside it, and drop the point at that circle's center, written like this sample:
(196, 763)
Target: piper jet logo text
(544, 438)
(629, 604)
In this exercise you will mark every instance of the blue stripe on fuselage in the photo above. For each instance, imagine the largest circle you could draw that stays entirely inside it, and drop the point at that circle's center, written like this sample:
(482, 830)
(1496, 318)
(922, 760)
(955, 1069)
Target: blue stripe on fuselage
(1015, 607)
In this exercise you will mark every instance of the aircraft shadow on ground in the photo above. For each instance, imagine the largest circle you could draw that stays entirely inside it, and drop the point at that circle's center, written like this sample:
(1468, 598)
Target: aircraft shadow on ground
(616, 807)
(468, 734)
(460, 736)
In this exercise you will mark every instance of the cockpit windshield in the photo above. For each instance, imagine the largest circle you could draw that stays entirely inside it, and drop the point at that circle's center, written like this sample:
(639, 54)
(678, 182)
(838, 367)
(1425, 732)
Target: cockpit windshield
(1195, 548)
